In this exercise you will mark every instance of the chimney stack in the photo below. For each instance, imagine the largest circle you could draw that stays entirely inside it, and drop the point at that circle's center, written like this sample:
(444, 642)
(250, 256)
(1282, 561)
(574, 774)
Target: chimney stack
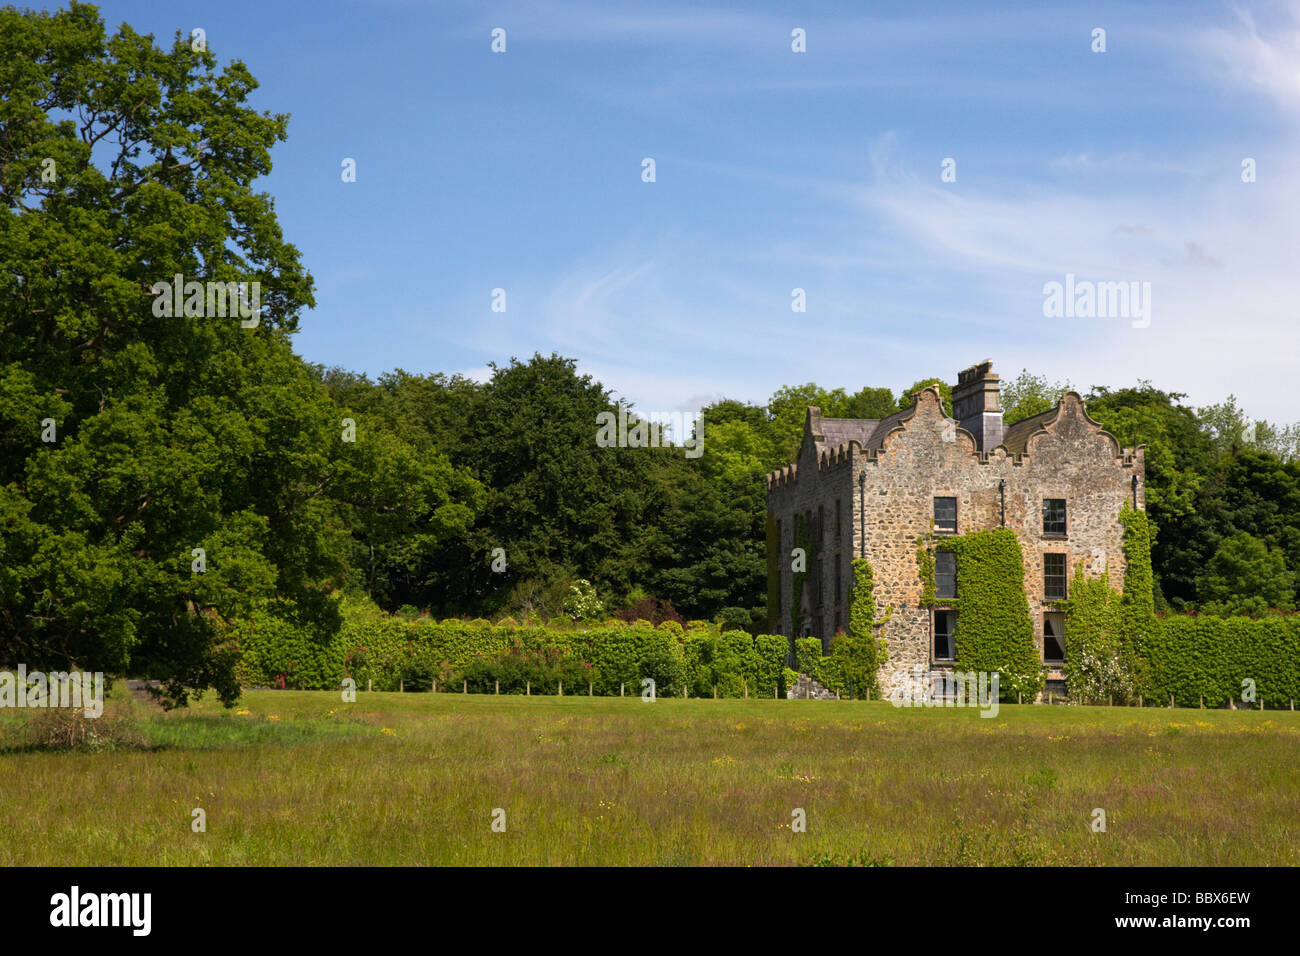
(976, 404)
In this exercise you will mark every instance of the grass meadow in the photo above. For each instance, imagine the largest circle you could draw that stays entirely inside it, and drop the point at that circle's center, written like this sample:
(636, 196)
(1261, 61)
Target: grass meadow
(291, 778)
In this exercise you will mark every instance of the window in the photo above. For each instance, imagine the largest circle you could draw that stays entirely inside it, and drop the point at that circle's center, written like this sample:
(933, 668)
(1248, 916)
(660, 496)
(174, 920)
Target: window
(839, 581)
(1053, 516)
(1054, 577)
(945, 514)
(837, 521)
(821, 528)
(1054, 638)
(945, 574)
(943, 643)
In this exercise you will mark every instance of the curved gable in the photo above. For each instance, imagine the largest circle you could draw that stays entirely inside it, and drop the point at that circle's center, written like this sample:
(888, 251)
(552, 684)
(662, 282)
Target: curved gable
(1069, 419)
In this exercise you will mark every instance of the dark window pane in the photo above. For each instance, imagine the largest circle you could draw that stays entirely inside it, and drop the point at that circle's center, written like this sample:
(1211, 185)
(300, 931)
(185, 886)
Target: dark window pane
(945, 574)
(943, 643)
(1054, 577)
(1054, 638)
(945, 514)
(1053, 516)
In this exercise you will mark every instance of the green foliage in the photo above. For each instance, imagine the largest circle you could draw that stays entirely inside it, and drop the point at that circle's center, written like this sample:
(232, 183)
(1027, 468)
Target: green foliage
(1028, 395)
(582, 603)
(1095, 668)
(993, 631)
(388, 651)
(172, 433)
(925, 570)
(1138, 623)
(517, 670)
(850, 667)
(908, 396)
(275, 651)
(1203, 658)
(788, 408)
(861, 650)
(1245, 576)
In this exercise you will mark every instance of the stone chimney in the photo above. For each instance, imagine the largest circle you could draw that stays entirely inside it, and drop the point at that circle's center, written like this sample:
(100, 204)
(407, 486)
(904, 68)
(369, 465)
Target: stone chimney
(976, 404)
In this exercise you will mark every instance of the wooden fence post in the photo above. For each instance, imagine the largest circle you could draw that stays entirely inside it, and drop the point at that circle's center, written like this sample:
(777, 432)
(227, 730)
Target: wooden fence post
(464, 687)
(498, 688)
(528, 688)
(620, 689)
(745, 685)
(370, 683)
(401, 686)
(561, 688)
(590, 692)
(715, 691)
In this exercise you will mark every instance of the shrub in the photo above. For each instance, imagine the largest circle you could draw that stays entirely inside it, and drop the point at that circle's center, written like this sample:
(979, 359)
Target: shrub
(67, 728)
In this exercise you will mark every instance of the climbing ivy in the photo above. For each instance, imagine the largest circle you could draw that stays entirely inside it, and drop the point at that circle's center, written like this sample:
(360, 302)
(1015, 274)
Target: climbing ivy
(1138, 624)
(1095, 670)
(861, 651)
(925, 569)
(994, 631)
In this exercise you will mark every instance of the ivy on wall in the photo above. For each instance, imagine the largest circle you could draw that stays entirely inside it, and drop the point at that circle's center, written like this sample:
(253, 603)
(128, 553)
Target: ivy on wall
(994, 631)
(862, 651)
(1138, 624)
(1095, 672)
(925, 569)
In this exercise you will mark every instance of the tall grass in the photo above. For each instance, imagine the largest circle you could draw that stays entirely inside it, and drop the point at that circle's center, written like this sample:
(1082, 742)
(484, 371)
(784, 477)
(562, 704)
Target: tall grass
(413, 779)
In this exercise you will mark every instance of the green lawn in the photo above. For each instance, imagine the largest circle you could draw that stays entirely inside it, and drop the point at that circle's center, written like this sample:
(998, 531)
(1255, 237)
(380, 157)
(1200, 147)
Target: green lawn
(412, 779)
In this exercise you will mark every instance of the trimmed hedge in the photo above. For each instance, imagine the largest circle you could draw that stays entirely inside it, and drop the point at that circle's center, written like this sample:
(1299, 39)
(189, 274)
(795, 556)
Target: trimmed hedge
(388, 652)
(1199, 656)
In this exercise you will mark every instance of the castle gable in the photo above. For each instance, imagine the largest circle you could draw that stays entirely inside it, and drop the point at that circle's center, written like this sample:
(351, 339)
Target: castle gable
(924, 424)
(1069, 421)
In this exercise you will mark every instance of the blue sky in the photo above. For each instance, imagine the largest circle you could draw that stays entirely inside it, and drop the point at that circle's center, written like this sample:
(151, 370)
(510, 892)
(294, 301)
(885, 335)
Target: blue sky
(777, 170)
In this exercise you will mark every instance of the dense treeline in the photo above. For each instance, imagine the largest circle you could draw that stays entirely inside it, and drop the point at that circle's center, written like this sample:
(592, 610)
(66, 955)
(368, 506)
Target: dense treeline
(163, 475)
(1223, 493)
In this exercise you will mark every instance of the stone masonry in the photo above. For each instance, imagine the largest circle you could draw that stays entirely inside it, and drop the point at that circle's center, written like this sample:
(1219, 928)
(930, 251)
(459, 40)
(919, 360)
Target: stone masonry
(868, 488)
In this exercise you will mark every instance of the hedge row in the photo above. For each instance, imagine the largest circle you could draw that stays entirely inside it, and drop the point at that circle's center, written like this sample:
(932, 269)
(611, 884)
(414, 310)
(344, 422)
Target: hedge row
(1200, 657)
(386, 652)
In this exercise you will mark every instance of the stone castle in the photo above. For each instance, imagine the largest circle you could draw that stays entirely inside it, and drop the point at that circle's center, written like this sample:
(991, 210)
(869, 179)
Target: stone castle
(869, 488)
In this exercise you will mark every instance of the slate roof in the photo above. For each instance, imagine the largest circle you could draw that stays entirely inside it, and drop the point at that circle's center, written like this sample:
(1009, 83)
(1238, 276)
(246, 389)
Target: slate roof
(841, 431)
(867, 432)
(1017, 436)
